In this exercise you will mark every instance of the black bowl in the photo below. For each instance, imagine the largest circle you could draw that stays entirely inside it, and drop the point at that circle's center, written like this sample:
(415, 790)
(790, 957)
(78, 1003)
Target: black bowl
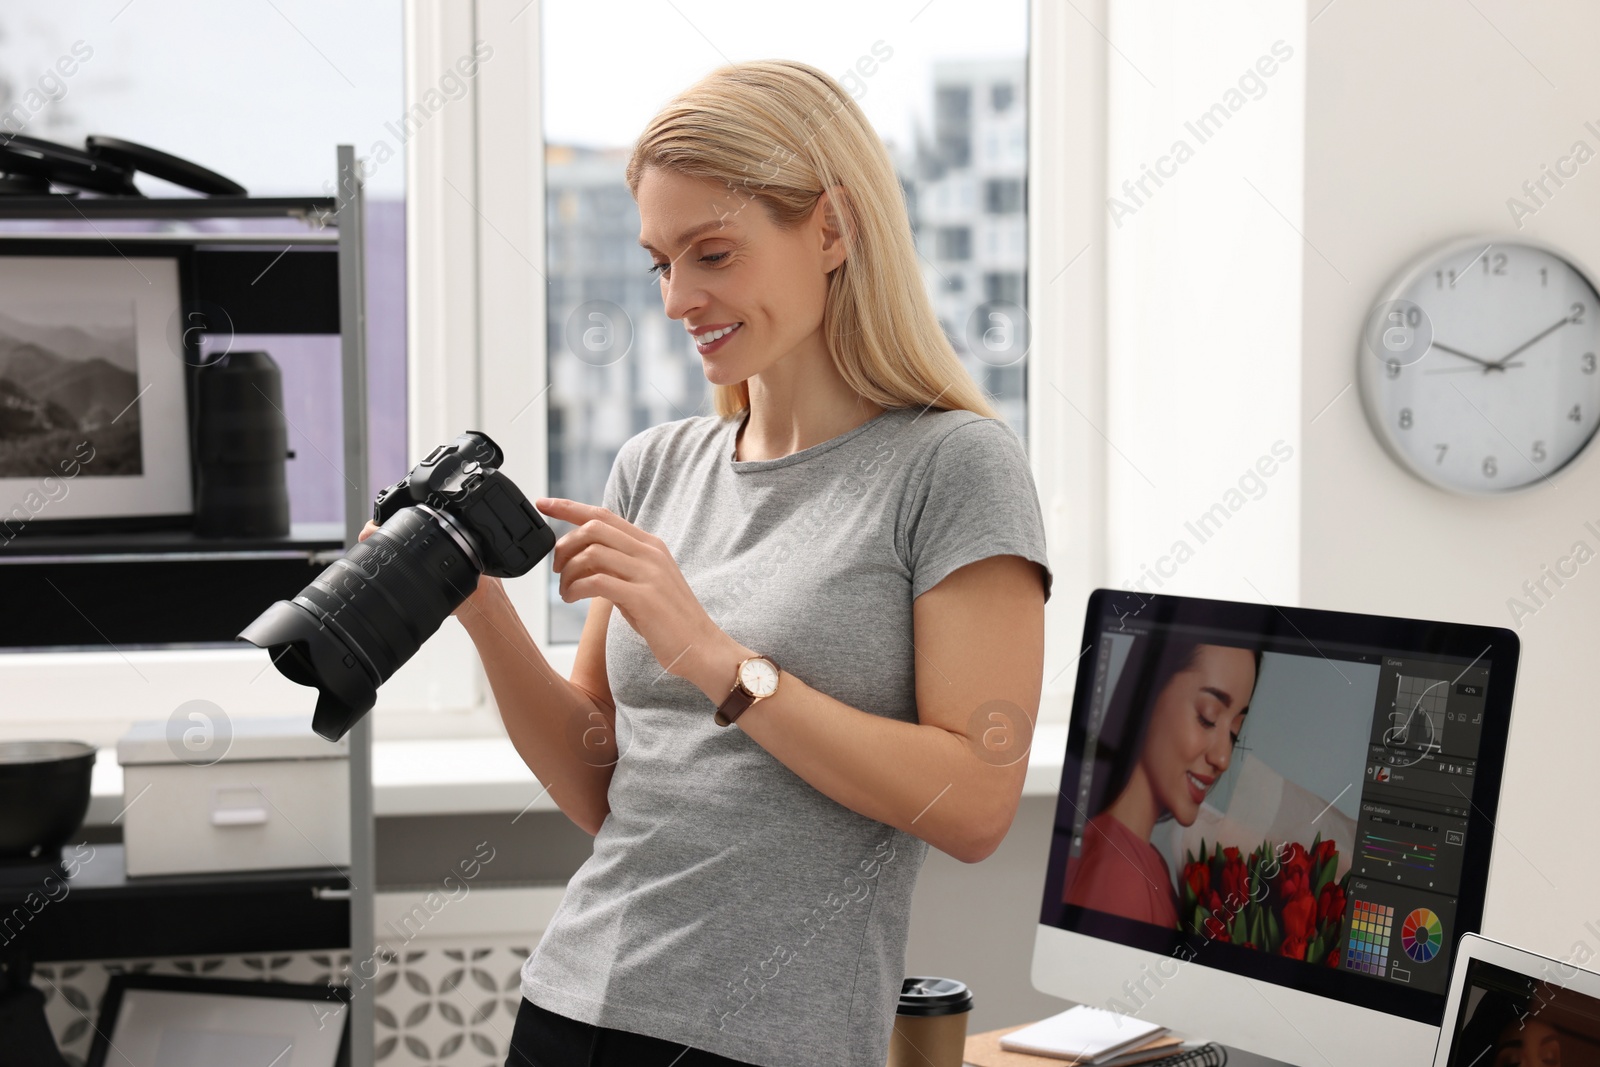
(44, 795)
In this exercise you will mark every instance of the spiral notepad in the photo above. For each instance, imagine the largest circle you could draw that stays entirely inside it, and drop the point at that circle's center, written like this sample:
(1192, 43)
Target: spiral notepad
(1084, 1034)
(1204, 1056)
(1207, 1055)
(985, 1050)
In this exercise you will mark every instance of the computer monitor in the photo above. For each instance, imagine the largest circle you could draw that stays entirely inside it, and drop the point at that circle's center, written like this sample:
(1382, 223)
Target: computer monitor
(1274, 822)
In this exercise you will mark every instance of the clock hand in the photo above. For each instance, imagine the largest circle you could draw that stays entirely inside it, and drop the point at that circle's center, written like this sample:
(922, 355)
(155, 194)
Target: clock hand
(1458, 370)
(1486, 364)
(1542, 335)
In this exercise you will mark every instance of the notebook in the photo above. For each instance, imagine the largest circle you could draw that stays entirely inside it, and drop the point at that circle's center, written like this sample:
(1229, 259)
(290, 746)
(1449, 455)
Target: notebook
(1083, 1034)
(1184, 1054)
(983, 1050)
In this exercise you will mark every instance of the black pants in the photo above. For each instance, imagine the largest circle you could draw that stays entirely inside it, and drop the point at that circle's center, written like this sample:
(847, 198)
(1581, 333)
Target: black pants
(544, 1039)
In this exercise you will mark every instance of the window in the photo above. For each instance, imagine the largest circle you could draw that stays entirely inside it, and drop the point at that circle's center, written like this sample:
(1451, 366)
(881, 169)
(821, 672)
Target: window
(1003, 285)
(955, 149)
(1002, 196)
(135, 81)
(952, 103)
(270, 116)
(926, 76)
(954, 242)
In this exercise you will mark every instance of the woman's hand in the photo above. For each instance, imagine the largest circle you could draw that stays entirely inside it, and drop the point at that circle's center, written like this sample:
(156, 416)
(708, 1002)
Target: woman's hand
(608, 556)
(479, 600)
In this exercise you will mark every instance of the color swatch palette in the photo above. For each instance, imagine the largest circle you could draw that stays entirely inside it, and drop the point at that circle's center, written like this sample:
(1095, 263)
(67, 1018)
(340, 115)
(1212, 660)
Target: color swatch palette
(1422, 935)
(1367, 951)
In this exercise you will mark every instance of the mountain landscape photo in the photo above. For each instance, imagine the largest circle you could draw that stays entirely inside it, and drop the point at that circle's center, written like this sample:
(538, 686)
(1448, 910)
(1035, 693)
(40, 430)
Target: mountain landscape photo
(68, 374)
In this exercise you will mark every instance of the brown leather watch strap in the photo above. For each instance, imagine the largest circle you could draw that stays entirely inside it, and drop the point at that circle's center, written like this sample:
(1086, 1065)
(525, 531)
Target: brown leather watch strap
(737, 703)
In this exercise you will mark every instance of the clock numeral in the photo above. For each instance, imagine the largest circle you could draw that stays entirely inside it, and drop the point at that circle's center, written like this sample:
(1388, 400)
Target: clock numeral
(1499, 263)
(1576, 414)
(1538, 452)
(1405, 418)
(1489, 469)
(1588, 363)
(1442, 449)
(1576, 318)
(1544, 277)
(1439, 277)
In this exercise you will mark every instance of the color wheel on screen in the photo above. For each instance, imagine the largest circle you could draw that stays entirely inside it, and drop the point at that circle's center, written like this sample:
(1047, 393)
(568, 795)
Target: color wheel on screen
(1421, 935)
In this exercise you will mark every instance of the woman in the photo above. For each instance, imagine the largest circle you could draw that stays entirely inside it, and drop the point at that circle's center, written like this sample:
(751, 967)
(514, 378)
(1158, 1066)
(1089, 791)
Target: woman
(1201, 695)
(854, 524)
(1530, 1043)
(1505, 1031)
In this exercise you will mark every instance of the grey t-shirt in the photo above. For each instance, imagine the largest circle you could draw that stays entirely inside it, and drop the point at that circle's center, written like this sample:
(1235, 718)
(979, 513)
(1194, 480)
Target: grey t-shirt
(729, 905)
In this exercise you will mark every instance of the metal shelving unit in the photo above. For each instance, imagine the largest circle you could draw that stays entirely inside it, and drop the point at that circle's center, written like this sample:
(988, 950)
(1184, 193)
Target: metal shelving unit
(104, 914)
(317, 285)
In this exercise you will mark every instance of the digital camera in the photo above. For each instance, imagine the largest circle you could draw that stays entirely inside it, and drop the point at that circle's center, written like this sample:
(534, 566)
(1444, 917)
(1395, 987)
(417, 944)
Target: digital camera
(455, 517)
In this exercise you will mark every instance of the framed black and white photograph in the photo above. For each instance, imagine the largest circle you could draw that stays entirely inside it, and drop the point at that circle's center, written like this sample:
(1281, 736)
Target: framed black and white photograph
(93, 410)
(164, 1020)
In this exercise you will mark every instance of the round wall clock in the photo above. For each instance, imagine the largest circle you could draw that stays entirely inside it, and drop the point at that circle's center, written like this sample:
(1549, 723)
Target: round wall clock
(1477, 365)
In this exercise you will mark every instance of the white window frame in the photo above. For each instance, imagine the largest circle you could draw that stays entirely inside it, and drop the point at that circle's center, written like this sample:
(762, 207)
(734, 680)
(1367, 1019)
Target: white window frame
(493, 240)
(93, 695)
(475, 248)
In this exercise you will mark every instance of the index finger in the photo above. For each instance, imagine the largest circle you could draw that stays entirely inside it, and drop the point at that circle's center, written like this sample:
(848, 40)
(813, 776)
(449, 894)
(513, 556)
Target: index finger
(577, 513)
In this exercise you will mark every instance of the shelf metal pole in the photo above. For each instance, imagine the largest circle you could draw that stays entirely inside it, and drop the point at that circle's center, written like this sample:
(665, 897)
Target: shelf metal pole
(357, 505)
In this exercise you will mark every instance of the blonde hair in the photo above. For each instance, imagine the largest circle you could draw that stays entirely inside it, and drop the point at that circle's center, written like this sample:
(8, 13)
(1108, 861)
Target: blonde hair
(782, 132)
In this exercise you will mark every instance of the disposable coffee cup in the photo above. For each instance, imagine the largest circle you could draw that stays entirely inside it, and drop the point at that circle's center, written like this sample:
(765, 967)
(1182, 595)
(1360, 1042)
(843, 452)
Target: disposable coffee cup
(930, 1026)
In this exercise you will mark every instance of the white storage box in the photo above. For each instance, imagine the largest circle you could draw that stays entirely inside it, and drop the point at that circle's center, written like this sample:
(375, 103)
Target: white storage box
(278, 798)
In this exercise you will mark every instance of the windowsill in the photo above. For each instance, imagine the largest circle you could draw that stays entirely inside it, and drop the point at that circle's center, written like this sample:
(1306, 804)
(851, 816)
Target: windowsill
(434, 777)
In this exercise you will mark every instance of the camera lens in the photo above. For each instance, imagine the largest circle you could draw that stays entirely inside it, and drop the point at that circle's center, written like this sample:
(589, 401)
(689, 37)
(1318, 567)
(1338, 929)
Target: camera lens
(454, 517)
(368, 612)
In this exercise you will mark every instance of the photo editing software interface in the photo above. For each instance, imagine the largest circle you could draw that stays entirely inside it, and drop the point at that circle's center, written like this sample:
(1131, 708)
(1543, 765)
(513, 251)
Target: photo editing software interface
(1308, 800)
(1510, 1019)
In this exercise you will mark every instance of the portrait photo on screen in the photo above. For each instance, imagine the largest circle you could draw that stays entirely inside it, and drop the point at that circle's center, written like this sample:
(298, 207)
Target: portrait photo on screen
(1223, 784)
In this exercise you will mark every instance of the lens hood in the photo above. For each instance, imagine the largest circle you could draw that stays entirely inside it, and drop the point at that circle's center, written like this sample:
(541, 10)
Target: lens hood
(314, 653)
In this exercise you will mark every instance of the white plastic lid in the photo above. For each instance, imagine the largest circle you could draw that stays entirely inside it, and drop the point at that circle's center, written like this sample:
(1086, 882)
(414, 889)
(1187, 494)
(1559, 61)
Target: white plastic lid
(206, 736)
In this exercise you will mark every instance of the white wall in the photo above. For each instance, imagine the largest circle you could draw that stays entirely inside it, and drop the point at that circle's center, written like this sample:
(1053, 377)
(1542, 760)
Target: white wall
(1203, 297)
(1422, 119)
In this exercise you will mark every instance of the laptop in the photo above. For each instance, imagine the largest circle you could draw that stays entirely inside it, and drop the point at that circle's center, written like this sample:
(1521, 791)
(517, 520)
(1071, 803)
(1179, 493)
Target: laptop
(1509, 1006)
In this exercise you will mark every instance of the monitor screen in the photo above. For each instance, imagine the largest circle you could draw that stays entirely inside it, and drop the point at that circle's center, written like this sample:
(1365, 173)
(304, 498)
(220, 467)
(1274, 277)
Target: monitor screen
(1297, 796)
(1507, 1019)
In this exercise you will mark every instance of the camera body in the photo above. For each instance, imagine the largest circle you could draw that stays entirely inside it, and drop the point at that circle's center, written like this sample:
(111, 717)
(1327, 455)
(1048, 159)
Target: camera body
(461, 484)
(455, 517)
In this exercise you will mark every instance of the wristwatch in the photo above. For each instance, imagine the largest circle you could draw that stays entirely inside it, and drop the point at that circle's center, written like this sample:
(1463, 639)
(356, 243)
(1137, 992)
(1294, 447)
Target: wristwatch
(754, 679)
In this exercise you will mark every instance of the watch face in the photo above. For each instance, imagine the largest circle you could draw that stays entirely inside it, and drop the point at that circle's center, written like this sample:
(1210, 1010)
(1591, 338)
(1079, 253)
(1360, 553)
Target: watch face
(759, 676)
(1478, 366)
